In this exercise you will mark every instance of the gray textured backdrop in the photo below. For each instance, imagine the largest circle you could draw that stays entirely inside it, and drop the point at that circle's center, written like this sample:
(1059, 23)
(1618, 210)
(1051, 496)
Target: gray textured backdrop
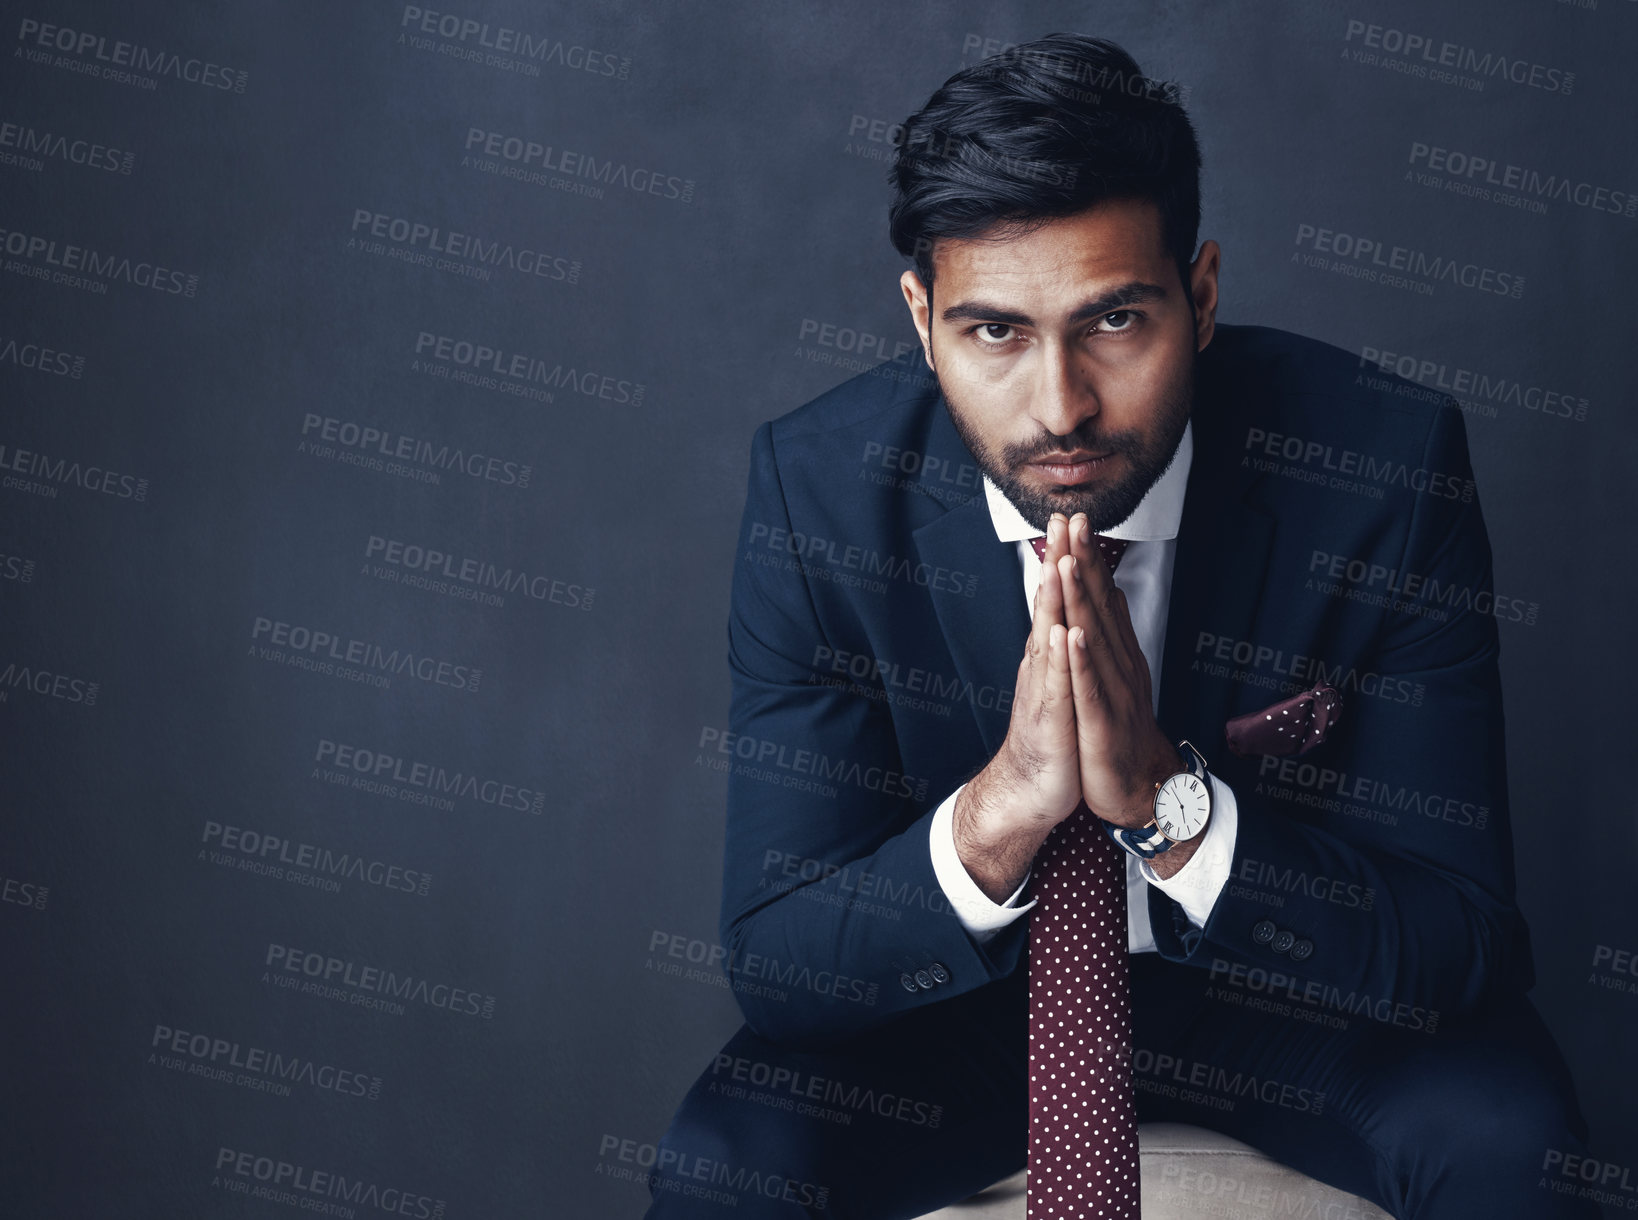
(249, 259)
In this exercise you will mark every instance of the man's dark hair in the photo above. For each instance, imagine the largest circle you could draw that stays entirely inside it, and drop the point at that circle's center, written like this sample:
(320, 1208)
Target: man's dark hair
(1043, 130)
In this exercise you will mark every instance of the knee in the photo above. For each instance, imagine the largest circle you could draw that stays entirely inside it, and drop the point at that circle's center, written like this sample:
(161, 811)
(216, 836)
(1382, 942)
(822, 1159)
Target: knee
(1512, 1128)
(1483, 1139)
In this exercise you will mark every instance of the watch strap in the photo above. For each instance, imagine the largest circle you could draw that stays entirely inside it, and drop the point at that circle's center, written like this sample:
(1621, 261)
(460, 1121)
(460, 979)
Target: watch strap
(1145, 843)
(1193, 761)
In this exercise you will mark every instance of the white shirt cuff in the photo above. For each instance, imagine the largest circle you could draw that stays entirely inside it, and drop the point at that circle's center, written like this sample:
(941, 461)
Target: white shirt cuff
(972, 906)
(1196, 885)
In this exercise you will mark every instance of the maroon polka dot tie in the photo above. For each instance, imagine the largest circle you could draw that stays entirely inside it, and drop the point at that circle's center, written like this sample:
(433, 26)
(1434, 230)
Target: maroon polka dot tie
(1083, 1149)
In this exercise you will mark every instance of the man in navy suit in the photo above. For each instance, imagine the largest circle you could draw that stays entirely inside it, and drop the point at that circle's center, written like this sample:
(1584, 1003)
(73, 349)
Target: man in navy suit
(1334, 969)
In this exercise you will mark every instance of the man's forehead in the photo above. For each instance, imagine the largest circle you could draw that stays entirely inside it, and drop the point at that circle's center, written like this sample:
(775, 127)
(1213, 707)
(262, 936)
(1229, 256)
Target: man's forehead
(1116, 243)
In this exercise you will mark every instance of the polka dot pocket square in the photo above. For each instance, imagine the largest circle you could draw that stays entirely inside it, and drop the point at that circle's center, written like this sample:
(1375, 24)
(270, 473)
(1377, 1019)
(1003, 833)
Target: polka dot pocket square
(1291, 726)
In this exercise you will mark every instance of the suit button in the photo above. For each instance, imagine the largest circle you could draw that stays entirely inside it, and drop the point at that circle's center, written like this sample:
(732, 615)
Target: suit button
(939, 973)
(1284, 941)
(1263, 931)
(908, 983)
(1302, 950)
(924, 980)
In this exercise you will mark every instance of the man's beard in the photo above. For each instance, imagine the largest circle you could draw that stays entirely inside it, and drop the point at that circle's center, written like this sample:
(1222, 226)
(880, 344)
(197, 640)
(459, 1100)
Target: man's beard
(1105, 504)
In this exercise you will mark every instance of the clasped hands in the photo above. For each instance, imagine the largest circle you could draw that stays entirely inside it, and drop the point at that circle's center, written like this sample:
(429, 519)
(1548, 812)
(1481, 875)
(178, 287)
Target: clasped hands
(1083, 724)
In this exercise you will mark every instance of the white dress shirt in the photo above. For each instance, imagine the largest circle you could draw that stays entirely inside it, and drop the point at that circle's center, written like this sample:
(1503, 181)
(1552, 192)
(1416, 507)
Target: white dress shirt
(1145, 576)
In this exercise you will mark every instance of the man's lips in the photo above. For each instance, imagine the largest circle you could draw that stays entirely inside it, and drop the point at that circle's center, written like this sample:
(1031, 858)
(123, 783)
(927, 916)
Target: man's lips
(1070, 468)
(1068, 459)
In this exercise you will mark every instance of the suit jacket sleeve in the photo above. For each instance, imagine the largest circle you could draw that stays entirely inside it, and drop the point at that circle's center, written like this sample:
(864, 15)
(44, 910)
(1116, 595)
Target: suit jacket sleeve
(1415, 918)
(830, 906)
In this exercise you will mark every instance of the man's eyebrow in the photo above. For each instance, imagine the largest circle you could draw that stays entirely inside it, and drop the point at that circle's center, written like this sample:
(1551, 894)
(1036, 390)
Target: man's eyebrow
(1134, 293)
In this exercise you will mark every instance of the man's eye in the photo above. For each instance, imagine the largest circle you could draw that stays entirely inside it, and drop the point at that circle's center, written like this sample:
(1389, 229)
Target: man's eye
(987, 333)
(1120, 319)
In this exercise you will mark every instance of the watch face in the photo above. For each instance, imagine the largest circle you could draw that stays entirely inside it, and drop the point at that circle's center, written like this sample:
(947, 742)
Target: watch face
(1181, 806)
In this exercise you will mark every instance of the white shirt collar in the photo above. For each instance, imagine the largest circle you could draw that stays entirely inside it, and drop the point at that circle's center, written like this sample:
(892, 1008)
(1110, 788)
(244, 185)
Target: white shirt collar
(1156, 517)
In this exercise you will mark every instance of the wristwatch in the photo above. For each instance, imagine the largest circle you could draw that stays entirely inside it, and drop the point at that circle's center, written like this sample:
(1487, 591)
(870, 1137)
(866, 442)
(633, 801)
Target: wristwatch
(1182, 809)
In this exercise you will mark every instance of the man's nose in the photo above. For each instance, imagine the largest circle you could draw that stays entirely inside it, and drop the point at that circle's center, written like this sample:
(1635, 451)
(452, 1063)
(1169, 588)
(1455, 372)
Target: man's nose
(1064, 395)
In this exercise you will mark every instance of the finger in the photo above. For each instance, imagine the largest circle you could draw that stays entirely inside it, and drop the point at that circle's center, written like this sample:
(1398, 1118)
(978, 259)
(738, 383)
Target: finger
(1123, 619)
(1090, 712)
(1032, 669)
(1057, 537)
(1059, 690)
(1077, 609)
(1102, 643)
(1049, 598)
(1100, 591)
(1057, 541)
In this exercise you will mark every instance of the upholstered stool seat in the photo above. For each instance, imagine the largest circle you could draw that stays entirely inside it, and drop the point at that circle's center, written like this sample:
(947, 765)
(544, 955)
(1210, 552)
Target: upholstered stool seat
(1190, 1172)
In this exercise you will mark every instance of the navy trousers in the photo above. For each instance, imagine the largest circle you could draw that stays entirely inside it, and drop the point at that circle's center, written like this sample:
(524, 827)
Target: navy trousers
(1448, 1124)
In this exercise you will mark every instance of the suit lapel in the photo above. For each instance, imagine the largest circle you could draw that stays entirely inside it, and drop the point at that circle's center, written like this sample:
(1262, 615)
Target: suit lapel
(984, 633)
(1218, 578)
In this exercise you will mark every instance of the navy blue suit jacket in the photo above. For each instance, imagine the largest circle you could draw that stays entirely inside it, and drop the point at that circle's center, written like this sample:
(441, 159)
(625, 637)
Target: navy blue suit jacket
(875, 634)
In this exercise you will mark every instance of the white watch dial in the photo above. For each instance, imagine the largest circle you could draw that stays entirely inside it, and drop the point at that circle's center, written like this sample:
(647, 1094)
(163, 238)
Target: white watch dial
(1181, 806)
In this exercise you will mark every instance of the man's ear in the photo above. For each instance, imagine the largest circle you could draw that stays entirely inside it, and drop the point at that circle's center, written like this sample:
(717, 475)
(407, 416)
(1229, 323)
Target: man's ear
(1203, 290)
(917, 298)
